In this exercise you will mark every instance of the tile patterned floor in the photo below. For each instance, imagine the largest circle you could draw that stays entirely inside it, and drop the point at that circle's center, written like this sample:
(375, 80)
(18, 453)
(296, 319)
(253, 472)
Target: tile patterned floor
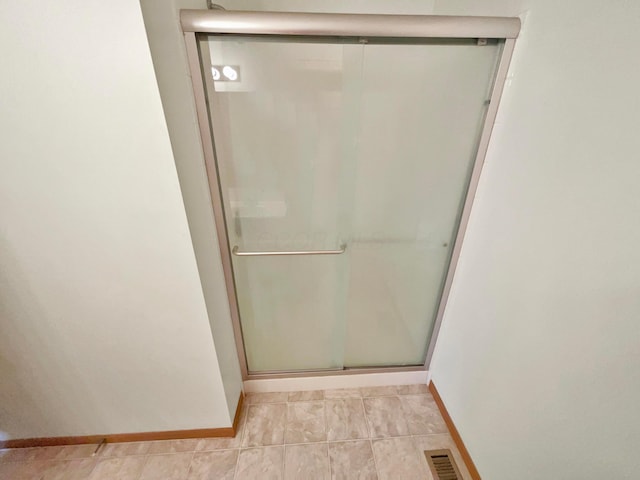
(367, 433)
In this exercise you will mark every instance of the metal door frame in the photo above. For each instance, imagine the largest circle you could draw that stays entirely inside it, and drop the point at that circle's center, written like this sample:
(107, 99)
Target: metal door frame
(195, 22)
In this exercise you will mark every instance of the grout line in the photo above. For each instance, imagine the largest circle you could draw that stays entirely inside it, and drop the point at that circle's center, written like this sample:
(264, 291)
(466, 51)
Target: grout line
(345, 440)
(235, 468)
(339, 440)
(373, 453)
(243, 427)
(41, 477)
(286, 423)
(326, 433)
(144, 464)
(326, 425)
(240, 435)
(284, 436)
(90, 472)
(193, 454)
(342, 440)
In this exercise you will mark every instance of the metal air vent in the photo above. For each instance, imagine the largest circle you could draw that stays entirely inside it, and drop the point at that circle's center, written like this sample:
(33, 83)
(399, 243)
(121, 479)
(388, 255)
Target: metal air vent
(442, 465)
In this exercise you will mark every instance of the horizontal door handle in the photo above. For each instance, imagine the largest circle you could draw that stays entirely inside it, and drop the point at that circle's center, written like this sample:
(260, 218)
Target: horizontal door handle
(238, 253)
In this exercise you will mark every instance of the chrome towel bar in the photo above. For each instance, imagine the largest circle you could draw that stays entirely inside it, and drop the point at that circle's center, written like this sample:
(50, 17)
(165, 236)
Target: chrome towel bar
(238, 253)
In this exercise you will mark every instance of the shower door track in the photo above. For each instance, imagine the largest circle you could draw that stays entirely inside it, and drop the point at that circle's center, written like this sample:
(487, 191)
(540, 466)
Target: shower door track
(389, 27)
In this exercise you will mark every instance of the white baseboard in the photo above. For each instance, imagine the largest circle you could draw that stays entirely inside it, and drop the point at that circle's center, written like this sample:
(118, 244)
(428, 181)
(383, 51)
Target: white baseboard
(294, 384)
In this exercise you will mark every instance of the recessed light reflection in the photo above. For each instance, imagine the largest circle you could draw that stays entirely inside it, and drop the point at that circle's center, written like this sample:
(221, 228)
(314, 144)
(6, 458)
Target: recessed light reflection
(230, 73)
(225, 73)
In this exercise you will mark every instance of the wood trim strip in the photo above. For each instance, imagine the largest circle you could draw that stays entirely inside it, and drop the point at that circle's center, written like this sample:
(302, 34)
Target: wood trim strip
(118, 437)
(236, 418)
(128, 437)
(457, 439)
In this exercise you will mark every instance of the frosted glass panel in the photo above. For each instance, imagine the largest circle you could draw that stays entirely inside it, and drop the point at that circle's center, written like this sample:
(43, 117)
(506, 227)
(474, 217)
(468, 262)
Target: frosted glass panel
(422, 113)
(282, 133)
(321, 144)
(292, 311)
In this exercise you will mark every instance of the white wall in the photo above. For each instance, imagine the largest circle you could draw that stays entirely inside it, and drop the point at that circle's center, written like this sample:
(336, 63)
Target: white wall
(537, 360)
(170, 63)
(104, 326)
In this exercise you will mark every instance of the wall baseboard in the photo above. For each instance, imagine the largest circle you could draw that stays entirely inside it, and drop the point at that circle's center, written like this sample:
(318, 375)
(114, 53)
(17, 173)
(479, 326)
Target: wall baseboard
(292, 384)
(128, 437)
(464, 453)
(236, 418)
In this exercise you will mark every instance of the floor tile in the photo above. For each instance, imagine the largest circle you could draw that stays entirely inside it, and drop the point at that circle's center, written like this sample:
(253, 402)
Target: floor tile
(413, 389)
(345, 419)
(326, 434)
(19, 454)
(305, 422)
(261, 463)
(28, 470)
(268, 397)
(7, 469)
(265, 425)
(78, 469)
(63, 452)
(120, 468)
(69, 452)
(436, 442)
(379, 391)
(173, 446)
(221, 443)
(225, 443)
(343, 393)
(124, 449)
(305, 462)
(422, 415)
(218, 465)
(399, 458)
(352, 461)
(173, 466)
(385, 417)
(306, 396)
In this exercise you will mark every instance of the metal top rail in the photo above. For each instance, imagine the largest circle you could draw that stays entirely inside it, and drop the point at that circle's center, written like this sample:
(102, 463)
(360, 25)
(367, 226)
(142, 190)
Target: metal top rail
(347, 25)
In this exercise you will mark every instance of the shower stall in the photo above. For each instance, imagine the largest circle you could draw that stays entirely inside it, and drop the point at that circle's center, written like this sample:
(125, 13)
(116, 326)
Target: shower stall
(343, 153)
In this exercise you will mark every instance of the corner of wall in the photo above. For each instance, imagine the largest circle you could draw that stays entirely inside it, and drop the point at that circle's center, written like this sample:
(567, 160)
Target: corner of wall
(170, 64)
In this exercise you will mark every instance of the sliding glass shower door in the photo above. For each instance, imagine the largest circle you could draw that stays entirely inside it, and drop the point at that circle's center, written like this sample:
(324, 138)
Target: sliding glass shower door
(284, 131)
(343, 167)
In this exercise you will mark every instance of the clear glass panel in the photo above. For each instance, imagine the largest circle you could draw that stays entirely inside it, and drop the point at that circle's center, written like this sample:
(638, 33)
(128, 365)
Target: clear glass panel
(422, 112)
(320, 144)
(283, 128)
